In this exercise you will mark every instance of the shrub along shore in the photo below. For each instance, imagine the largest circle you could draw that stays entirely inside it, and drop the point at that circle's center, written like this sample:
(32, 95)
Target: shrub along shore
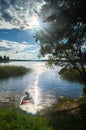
(13, 71)
(65, 114)
(71, 75)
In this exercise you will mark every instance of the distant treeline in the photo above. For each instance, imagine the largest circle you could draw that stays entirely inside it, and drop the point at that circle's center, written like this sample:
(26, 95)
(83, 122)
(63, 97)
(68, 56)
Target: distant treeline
(4, 58)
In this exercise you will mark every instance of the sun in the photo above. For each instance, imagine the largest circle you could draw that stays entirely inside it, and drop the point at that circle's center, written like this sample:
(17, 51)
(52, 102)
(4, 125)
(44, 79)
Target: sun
(34, 22)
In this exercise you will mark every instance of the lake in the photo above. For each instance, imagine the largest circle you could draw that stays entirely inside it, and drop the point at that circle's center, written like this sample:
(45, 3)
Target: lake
(44, 84)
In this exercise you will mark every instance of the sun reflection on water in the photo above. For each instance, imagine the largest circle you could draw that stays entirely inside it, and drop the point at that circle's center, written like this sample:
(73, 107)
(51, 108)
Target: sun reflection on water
(35, 91)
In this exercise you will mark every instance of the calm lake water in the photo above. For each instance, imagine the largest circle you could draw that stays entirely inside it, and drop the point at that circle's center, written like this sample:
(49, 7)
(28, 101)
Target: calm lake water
(44, 84)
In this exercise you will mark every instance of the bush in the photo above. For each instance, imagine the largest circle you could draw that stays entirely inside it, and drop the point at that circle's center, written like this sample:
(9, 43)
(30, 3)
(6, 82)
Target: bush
(71, 75)
(84, 90)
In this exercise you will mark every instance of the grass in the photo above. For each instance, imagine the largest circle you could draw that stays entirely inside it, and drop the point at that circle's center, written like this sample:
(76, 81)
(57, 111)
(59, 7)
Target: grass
(12, 71)
(65, 114)
(13, 119)
(71, 75)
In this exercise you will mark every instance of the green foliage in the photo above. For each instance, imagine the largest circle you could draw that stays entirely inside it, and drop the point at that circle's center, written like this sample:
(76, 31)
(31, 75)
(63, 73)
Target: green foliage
(4, 58)
(71, 75)
(84, 90)
(12, 119)
(63, 33)
(67, 114)
(12, 71)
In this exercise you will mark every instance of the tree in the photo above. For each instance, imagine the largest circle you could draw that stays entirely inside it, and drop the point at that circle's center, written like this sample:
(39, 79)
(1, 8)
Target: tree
(7, 58)
(62, 33)
(0, 58)
(4, 58)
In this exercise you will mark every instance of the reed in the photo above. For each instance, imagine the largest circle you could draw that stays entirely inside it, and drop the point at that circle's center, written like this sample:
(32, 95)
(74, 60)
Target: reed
(13, 71)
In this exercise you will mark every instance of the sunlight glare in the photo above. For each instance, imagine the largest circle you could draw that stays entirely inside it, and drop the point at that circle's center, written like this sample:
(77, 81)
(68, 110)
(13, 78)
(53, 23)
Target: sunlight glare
(34, 22)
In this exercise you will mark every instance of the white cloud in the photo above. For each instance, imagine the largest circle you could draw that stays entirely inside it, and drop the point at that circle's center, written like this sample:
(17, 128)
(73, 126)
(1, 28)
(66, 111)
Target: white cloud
(17, 50)
(7, 25)
(17, 13)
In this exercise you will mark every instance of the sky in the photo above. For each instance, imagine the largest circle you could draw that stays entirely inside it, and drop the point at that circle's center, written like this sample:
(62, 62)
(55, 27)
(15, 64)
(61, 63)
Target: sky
(17, 21)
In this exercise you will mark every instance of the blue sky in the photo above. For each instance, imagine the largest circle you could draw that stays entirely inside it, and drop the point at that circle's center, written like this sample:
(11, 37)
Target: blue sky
(16, 31)
(18, 44)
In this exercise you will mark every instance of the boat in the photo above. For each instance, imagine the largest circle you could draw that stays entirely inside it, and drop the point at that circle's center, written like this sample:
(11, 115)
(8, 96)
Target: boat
(27, 105)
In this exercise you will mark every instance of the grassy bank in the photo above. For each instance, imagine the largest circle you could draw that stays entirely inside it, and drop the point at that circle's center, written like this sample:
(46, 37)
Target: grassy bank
(71, 75)
(65, 114)
(12, 71)
(13, 119)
